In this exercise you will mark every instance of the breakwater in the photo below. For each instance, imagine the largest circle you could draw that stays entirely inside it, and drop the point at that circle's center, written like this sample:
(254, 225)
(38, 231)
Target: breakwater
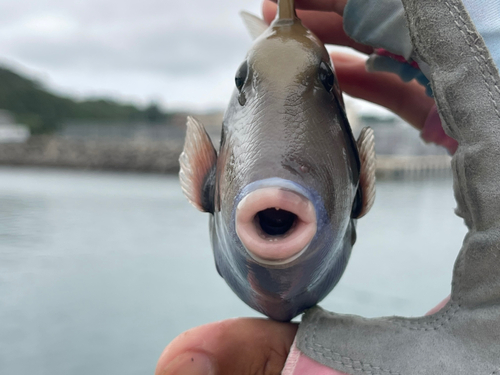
(146, 155)
(415, 166)
(161, 156)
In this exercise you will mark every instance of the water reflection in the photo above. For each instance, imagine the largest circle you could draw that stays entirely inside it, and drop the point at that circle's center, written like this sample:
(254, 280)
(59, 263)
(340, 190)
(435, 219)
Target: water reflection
(20, 220)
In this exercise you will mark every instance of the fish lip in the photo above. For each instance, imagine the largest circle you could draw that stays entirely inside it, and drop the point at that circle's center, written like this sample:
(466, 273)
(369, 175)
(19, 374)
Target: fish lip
(271, 193)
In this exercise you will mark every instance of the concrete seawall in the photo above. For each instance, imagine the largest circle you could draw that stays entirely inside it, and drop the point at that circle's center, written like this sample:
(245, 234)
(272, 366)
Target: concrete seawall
(161, 156)
(107, 154)
(418, 166)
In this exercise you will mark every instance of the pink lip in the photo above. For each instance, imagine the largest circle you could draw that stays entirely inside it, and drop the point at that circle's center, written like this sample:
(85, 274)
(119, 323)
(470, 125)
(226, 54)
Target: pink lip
(275, 248)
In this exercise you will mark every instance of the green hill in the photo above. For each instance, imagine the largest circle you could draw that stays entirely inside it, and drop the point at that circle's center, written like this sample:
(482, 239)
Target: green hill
(45, 112)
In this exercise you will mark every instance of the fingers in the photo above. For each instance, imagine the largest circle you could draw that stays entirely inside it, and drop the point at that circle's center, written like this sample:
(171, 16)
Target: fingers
(408, 100)
(326, 25)
(237, 346)
(336, 6)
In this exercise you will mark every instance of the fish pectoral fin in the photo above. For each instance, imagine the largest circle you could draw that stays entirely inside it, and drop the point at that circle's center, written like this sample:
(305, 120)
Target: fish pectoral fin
(255, 25)
(366, 148)
(197, 161)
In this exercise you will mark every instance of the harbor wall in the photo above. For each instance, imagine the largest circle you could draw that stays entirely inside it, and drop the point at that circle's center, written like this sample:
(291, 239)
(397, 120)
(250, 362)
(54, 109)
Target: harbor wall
(161, 156)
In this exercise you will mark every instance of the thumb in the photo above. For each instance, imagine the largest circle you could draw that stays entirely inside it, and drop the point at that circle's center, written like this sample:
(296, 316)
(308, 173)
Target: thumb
(236, 346)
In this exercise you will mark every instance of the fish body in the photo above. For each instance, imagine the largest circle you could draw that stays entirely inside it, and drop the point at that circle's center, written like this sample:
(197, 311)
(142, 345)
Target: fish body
(284, 190)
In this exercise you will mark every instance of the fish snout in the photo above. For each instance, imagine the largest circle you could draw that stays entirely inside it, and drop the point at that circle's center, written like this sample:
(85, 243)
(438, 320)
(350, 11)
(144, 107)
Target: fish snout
(275, 225)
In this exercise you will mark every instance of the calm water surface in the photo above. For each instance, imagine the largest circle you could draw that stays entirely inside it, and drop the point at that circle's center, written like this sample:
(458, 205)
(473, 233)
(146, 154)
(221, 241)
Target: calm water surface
(99, 271)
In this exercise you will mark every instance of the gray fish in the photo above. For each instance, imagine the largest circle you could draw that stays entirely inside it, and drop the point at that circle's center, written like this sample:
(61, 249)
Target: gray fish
(289, 181)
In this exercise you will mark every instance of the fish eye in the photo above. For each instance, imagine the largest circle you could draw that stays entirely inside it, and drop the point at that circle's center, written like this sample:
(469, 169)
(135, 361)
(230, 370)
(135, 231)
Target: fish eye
(326, 76)
(241, 75)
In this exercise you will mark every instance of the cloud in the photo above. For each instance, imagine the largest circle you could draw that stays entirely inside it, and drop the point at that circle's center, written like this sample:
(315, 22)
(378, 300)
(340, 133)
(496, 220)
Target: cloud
(129, 49)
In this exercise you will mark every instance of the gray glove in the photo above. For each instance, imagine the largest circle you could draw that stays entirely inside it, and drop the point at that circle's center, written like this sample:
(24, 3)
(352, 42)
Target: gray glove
(464, 337)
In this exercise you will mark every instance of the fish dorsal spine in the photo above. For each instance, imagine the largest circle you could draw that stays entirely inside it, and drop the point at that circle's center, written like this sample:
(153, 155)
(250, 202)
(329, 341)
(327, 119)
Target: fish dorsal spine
(286, 10)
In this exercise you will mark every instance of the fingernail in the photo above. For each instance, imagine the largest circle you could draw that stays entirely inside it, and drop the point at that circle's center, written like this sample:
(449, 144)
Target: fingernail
(193, 363)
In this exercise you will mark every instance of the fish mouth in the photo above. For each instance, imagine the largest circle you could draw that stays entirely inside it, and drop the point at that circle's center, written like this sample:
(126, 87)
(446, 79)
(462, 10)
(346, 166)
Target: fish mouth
(275, 225)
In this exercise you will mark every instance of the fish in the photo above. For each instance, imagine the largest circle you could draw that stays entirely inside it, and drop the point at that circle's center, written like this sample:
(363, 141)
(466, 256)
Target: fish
(289, 181)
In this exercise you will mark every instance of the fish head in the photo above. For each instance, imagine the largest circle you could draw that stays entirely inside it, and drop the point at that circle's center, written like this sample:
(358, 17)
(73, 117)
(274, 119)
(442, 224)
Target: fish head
(283, 190)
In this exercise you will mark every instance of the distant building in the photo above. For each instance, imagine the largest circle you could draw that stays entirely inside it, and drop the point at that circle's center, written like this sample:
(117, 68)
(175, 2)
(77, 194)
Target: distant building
(10, 132)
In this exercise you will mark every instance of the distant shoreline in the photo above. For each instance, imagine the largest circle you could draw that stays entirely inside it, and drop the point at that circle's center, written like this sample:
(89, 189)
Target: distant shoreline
(162, 156)
(104, 154)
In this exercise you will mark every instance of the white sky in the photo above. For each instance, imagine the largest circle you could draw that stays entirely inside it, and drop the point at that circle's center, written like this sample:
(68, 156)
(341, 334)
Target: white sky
(181, 54)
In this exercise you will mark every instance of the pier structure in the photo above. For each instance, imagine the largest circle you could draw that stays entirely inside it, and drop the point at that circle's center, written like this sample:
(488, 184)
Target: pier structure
(392, 166)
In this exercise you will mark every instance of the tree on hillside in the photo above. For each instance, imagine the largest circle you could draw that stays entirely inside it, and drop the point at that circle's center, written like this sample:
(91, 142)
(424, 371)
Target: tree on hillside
(45, 112)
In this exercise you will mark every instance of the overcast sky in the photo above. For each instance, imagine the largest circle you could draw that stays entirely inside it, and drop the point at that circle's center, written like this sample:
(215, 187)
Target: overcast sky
(181, 54)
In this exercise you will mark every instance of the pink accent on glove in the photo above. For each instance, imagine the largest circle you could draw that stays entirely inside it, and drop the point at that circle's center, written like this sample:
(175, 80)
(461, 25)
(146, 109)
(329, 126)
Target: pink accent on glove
(401, 59)
(299, 364)
(433, 132)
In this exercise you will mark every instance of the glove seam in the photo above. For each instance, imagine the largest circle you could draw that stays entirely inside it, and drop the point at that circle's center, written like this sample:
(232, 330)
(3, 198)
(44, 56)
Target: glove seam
(441, 319)
(475, 48)
(346, 361)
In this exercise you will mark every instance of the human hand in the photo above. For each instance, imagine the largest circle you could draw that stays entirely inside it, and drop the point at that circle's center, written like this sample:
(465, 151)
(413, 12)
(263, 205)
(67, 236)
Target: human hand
(235, 346)
(408, 100)
(324, 18)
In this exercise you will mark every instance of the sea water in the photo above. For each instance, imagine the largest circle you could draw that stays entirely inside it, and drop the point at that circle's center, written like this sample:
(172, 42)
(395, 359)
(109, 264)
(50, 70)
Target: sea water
(99, 271)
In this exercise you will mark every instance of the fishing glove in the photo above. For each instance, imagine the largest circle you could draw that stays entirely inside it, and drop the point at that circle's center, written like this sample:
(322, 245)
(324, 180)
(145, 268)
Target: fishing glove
(463, 337)
(382, 24)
